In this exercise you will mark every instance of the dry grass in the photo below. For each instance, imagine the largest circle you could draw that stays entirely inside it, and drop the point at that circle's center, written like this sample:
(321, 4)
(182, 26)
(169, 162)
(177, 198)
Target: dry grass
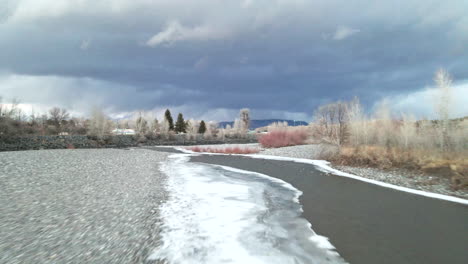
(453, 165)
(225, 150)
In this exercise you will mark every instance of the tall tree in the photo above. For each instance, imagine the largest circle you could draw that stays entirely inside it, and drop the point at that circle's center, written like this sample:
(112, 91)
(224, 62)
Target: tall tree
(141, 125)
(202, 127)
(180, 126)
(244, 116)
(168, 118)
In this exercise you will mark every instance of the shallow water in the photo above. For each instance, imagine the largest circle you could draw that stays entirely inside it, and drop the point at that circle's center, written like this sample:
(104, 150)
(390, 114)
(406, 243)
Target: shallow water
(219, 214)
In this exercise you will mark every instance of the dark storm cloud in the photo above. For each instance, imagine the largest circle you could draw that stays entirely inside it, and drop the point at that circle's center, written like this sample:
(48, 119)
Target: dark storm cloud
(267, 55)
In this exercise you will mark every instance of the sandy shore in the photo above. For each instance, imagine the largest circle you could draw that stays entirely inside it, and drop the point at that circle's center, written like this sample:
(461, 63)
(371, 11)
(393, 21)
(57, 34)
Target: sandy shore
(367, 223)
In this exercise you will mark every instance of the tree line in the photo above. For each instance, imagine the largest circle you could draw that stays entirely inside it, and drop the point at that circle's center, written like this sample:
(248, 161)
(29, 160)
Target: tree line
(58, 121)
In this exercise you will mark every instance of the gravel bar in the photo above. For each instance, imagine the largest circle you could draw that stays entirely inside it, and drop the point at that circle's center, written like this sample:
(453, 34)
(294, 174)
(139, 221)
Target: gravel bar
(79, 206)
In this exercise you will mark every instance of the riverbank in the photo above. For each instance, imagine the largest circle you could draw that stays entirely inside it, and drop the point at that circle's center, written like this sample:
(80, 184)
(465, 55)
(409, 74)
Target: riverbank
(115, 141)
(429, 182)
(413, 179)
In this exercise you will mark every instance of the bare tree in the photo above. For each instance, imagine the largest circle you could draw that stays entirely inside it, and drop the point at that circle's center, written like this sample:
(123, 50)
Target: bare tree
(165, 128)
(236, 130)
(358, 124)
(332, 122)
(155, 127)
(141, 125)
(58, 116)
(192, 128)
(244, 116)
(100, 126)
(407, 130)
(442, 105)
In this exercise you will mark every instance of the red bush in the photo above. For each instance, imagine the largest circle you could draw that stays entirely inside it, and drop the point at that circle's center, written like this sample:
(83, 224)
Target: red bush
(283, 138)
(225, 150)
(70, 146)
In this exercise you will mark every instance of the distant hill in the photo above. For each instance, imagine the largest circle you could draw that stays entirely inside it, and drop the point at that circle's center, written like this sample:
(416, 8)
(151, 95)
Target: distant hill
(254, 124)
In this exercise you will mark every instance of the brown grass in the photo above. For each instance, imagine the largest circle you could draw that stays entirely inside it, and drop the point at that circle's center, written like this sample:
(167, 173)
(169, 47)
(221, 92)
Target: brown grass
(453, 165)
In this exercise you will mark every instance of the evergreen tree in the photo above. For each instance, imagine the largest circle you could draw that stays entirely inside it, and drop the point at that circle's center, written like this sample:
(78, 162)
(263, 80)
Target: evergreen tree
(180, 126)
(202, 128)
(168, 118)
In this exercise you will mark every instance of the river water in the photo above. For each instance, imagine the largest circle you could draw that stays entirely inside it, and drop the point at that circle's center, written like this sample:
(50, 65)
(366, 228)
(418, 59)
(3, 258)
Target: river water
(218, 214)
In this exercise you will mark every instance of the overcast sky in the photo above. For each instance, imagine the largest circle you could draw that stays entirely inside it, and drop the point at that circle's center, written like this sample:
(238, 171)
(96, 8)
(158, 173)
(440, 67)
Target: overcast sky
(209, 58)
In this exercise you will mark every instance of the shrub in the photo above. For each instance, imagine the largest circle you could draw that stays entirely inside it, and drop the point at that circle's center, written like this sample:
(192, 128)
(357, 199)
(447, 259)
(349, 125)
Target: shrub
(283, 137)
(70, 146)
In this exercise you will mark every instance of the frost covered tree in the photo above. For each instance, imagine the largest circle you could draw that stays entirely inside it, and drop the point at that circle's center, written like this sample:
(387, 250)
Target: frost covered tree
(99, 124)
(141, 125)
(155, 127)
(222, 134)
(211, 129)
(244, 116)
(192, 128)
(165, 128)
(237, 128)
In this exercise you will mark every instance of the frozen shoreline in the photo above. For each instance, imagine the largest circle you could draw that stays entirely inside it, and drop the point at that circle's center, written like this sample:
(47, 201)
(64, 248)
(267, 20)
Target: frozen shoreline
(399, 177)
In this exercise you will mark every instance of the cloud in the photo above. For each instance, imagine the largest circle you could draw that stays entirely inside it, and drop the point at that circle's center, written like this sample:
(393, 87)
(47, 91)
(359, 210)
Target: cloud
(174, 32)
(246, 3)
(343, 32)
(421, 103)
(267, 55)
(85, 44)
(75, 94)
(80, 95)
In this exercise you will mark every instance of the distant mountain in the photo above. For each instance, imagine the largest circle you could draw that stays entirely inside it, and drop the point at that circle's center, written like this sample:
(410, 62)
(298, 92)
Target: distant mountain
(254, 124)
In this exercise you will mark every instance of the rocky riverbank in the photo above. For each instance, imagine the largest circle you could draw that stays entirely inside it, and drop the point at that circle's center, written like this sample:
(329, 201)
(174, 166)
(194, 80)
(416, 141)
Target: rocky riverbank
(80, 206)
(117, 141)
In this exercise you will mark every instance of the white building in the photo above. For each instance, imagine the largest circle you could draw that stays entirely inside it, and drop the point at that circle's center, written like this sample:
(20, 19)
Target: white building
(123, 132)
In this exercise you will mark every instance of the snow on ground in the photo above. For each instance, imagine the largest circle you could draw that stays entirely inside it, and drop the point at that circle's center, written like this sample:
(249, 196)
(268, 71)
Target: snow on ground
(218, 214)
